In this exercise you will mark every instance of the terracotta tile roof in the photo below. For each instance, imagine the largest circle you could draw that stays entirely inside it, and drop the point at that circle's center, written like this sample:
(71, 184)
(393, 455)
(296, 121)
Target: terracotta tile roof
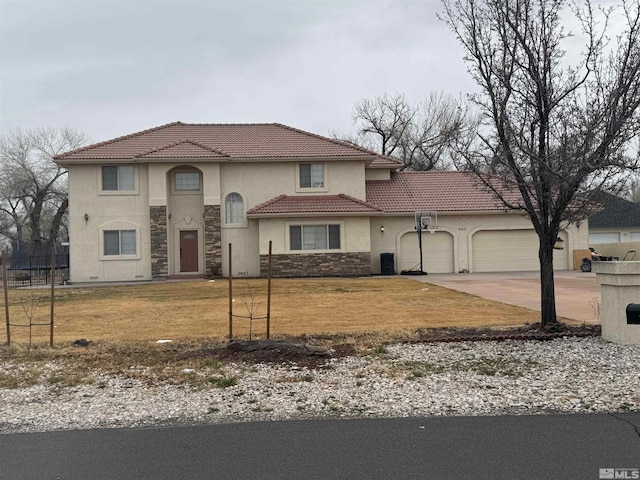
(286, 204)
(184, 148)
(386, 162)
(441, 191)
(267, 140)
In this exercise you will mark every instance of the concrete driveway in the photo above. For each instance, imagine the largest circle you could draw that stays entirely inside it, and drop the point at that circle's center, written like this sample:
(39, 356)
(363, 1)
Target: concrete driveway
(577, 293)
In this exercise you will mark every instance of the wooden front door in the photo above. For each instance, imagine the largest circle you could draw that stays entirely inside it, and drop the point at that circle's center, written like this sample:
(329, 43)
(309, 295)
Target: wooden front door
(189, 251)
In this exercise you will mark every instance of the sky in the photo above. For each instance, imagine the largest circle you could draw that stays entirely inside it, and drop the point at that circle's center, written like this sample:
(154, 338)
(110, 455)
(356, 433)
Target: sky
(114, 67)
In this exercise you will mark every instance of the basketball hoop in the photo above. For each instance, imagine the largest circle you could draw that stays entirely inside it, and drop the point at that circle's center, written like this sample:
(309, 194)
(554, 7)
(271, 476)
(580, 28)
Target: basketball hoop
(426, 220)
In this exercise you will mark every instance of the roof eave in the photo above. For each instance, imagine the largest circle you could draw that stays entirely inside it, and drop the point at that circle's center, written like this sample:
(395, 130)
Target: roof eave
(314, 214)
(215, 159)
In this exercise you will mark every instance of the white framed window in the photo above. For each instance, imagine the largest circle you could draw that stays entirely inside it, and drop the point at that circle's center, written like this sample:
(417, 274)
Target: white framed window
(610, 237)
(118, 178)
(187, 182)
(119, 242)
(234, 209)
(311, 177)
(314, 237)
(635, 236)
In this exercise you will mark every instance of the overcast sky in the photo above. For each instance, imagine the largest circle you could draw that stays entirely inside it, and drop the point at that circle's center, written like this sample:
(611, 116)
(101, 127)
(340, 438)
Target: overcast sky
(113, 67)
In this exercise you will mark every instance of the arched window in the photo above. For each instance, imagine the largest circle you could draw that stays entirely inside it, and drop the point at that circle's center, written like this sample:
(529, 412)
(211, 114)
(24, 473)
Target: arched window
(234, 209)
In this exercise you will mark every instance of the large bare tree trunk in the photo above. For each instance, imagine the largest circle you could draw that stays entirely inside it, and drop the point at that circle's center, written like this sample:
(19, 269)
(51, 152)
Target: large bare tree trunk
(547, 284)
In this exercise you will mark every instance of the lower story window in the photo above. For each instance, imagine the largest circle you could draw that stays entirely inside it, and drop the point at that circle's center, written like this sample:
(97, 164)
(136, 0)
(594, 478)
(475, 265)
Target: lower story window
(119, 242)
(314, 237)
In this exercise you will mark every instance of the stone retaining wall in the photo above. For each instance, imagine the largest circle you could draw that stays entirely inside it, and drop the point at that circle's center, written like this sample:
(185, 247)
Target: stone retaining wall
(318, 265)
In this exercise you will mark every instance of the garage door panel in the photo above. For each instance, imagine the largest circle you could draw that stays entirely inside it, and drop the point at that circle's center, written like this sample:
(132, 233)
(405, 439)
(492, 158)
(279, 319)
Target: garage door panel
(511, 251)
(437, 252)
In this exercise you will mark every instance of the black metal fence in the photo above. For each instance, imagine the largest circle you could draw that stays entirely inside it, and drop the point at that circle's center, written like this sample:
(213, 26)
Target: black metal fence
(36, 270)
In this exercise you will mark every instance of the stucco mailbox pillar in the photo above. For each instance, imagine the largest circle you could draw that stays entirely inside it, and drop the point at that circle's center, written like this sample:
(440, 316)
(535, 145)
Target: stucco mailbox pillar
(620, 286)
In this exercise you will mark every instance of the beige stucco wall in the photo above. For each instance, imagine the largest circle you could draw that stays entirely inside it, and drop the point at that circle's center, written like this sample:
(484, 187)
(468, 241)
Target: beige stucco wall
(256, 182)
(462, 228)
(159, 187)
(259, 182)
(377, 174)
(245, 249)
(106, 212)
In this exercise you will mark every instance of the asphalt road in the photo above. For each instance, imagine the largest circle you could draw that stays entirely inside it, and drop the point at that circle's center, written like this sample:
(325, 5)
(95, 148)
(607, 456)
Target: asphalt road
(506, 447)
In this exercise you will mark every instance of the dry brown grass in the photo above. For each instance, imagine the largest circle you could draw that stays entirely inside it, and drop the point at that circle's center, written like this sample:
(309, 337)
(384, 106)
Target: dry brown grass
(199, 309)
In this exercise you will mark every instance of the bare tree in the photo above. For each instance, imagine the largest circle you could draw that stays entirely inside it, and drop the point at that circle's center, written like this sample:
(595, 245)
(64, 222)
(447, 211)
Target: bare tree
(33, 188)
(419, 135)
(555, 132)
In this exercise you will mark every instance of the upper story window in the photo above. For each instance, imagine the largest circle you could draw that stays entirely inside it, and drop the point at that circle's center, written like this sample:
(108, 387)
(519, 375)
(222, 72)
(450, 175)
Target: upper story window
(234, 209)
(187, 181)
(118, 178)
(314, 237)
(311, 175)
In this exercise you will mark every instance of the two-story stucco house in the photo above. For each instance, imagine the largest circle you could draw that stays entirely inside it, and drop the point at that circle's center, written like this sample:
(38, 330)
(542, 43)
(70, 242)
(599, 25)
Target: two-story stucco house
(168, 201)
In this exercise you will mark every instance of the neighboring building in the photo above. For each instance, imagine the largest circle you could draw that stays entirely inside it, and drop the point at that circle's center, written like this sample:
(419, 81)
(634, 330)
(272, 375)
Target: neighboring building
(617, 222)
(168, 202)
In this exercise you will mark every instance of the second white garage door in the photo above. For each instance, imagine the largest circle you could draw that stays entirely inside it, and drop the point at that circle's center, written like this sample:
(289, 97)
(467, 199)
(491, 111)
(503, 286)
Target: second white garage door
(437, 252)
(512, 251)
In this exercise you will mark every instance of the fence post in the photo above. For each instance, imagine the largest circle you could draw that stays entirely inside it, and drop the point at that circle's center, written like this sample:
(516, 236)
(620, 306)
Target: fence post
(53, 286)
(5, 287)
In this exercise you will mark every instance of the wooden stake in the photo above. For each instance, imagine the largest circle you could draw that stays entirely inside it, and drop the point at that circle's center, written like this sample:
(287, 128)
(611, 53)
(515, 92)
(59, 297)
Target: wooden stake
(230, 297)
(269, 292)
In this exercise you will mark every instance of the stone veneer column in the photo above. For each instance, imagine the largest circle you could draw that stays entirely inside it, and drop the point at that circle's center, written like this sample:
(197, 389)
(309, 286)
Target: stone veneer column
(213, 240)
(159, 253)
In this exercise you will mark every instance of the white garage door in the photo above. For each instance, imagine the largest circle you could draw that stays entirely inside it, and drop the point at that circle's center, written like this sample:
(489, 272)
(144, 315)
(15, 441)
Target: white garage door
(512, 251)
(437, 252)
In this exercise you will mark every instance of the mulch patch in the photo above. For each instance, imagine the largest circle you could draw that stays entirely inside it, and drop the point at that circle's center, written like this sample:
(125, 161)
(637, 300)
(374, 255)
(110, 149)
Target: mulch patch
(533, 331)
(303, 354)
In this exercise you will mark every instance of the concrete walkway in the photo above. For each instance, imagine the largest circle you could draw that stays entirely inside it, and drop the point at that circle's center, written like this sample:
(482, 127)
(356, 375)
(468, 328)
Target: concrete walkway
(577, 293)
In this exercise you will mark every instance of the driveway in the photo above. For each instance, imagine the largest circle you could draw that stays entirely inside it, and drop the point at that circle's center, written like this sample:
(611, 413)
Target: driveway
(577, 293)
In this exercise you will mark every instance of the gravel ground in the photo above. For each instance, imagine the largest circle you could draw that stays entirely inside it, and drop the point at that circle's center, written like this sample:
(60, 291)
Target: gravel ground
(467, 378)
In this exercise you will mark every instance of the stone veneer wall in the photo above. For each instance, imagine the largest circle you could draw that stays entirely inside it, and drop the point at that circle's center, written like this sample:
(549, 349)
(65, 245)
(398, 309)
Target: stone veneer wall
(317, 265)
(158, 235)
(213, 240)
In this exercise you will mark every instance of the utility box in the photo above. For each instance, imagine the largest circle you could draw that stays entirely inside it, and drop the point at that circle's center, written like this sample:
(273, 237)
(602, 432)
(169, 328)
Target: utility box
(387, 266)
(620, 289)
(633, 314)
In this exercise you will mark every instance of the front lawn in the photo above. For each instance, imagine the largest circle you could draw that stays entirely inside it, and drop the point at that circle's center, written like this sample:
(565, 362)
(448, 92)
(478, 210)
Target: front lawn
(198, 309)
